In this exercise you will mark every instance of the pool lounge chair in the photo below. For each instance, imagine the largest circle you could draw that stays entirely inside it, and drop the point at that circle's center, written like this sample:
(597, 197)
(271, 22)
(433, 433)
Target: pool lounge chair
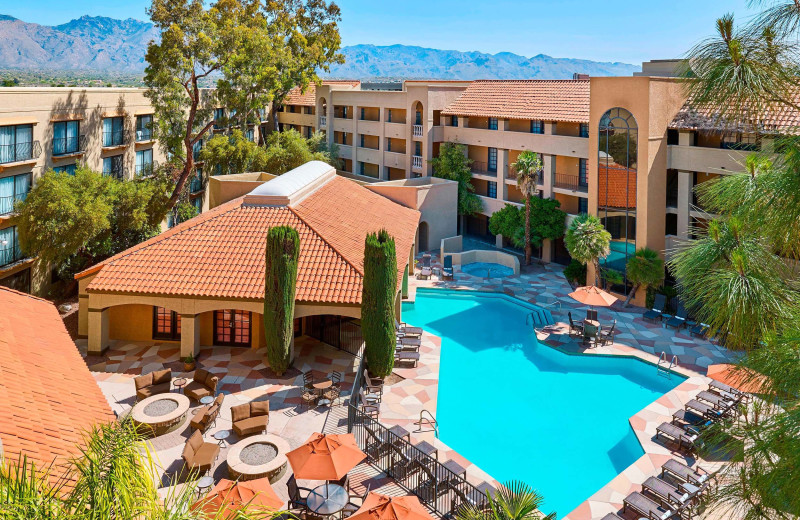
(700, 330)
(687, 418)
(679, 320)
(574, 328)
(656, 313)
(424, 273)
(648, 508)
(406, 330)
(407, 357)
(725, 388)
(704, 409)
(409, 342)
(447, 269)
(669, 494)
(678, 435)
(679, 470)
(719, 402)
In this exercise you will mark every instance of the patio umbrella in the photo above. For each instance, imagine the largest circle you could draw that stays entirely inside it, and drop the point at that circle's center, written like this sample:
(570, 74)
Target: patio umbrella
(325, 457)
(592, 296)
(382, 507)
(231, 496)
(745, 380)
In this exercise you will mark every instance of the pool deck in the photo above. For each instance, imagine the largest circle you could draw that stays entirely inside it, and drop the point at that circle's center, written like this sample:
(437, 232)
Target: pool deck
(545, 286)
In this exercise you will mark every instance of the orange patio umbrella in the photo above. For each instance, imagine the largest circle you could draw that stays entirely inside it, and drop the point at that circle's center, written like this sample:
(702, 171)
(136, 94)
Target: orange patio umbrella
(325, 457)
(382, 507)
(745, 379)
(231, 496)
(592, 296)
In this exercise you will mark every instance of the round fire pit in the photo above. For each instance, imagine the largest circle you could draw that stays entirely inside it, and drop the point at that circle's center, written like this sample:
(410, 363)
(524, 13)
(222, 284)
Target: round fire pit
(161, 413)
(258, 456)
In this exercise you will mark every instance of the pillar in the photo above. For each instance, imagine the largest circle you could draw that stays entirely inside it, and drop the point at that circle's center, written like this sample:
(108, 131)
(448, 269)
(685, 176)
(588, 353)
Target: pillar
(548, 175)
(98, 331)
(502, 174)
(684, 203)
(190, 335)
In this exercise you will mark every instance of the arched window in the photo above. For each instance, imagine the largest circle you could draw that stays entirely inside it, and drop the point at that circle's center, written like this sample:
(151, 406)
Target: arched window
(616, 201)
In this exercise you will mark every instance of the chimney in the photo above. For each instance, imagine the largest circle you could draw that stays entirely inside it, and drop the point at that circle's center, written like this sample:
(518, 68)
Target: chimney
(576, 75)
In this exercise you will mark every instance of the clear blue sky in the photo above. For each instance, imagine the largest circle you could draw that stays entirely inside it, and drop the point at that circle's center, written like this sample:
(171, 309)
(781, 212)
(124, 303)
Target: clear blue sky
(610, 30)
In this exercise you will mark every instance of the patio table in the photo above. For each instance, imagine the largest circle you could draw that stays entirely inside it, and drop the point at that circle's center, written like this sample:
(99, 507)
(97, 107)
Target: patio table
(327, 499)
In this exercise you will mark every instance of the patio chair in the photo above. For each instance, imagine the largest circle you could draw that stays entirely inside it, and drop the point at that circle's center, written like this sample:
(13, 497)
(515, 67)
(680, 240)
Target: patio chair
(203, 384)
(679, 320)
(575, 329)
(591, 314)
(404, 329)
(309, 397)
(250, 418)
(700, 330)
(405, 356)
(685, 418)
(681, 471)
(677, 434)
(668, 493)
(308, 380)
(296, 498)
(409, 342)
(704, 409)
(656, 313)
(335, 390)
(198, 455)
(589, 334)
(206, 416)
(447, 269)
(424, 273)
(426, 260)
(647, 508)
(606, 336)
(719, 402)
(373, 387)
(158, 382)
(716, 385)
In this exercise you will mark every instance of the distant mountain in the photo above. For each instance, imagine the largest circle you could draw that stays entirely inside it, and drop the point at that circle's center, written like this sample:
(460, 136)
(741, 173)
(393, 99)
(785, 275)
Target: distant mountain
(94, 43)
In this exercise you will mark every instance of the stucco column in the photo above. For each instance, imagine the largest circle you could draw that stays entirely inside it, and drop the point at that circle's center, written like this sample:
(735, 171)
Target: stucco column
(190, 334)
(356, 139)
(502, 173)
(548, 175)
(98, 331)
(684, 203)
(463, 122)
(549, 128)
(329, 118)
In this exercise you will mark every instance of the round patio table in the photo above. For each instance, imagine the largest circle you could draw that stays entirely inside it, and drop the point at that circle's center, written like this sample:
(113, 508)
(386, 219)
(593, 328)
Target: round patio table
(204, 484)
(327, 499)
(206, 400)
(180, 383)
(221, 436)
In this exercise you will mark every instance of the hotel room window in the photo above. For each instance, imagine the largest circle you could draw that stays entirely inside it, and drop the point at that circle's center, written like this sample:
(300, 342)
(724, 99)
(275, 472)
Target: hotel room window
(492, 123)
(537, 127)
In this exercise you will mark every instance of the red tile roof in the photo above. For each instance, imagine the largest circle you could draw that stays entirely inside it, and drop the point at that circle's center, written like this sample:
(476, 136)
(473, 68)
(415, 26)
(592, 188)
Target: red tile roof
(48, 397)
(220, 253)
(547, 100)
(617, 188)
(309, 98)
(779, 118)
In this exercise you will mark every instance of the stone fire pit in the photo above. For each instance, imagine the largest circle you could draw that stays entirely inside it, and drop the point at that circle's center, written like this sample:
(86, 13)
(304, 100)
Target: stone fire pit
(160, 413)
(258, 456)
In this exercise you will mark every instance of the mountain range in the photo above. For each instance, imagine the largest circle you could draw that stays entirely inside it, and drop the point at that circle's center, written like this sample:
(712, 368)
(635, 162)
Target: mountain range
(95, 43)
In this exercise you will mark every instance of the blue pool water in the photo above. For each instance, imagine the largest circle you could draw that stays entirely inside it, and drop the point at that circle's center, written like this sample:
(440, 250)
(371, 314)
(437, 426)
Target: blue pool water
(482, 269)
(525, 411)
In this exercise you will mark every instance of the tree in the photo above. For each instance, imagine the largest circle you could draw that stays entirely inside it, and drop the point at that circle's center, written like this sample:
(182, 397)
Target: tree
(378, 302)
(453, 164)
(288, 149)
(547, 222)
(529, 169)
(587, 241)
(249, 49)
(644, 269)
(514, 501)
(283, 250)
(233, 153)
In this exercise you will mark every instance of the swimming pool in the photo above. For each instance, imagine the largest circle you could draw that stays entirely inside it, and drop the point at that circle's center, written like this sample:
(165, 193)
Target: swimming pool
(525, 411)
(484, 269)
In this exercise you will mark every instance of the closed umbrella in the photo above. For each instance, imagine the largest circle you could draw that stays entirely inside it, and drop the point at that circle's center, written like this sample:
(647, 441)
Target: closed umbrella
(325, 457)
(743, 379)
(382, 507)
(229, 496)
(592, 296)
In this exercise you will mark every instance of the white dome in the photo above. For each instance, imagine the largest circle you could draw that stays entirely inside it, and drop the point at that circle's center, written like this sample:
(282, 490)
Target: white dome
(291, 187)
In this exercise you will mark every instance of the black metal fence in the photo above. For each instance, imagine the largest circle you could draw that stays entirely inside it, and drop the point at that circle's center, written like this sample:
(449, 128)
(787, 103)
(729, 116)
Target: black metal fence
(341, 332)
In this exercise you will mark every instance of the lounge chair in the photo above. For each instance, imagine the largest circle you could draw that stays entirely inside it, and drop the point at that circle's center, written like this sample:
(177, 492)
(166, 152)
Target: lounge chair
(158, 382)
(606, 336)
(668, 493)
(203, 384)
(656, 313)
(679, 470)
(704, 409)
(409, 342)
(725, 388)
(403, 329)
(687, 418)
(424, 273)
(407, 357)
(447, 270)
(679, 320)
(206, 416)
(677, 434)
(647, 508)
(250, 418)
(574, 328)
(700, 330)
(199, 455)
(426, 260)
(719, 402)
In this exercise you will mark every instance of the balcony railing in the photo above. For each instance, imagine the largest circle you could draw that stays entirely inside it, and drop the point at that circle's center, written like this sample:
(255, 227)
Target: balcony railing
(416, 162)
(69, 145)
(115, 138)
(9, 254)
(417, 131)
(7, 203)
(570, 182)
(117, 173)
(478, 167)
(145, 134)
(323, 121)
(20, 152)
(145, 170)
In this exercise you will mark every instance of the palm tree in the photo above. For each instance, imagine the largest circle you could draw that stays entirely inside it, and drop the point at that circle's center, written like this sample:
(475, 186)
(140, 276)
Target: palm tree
(514, 501)
(528, 168)
(588, 241)
(644, 269)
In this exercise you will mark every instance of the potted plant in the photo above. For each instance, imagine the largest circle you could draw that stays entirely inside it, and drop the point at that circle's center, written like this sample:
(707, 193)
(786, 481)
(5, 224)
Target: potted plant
(188, 363)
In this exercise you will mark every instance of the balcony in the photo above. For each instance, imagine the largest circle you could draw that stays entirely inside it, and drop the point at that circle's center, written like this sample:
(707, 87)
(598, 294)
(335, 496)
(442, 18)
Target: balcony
(569, 182)
(114, 139)
(144, 135)
(69, 145)
(197, 185)
(7, 203)
(417, 131)
(416, 163)
(323, 121)
(703, 159)
(568, 146)
(117, 173)
(9, 253)
(146, 170)
(20, 152)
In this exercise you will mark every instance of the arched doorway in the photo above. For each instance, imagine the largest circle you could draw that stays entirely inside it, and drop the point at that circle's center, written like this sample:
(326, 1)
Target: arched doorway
(422, 237)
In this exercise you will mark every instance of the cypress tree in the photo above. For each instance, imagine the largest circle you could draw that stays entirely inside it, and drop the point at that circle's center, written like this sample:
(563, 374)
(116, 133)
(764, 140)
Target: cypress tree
(377, 302)
(283, 249)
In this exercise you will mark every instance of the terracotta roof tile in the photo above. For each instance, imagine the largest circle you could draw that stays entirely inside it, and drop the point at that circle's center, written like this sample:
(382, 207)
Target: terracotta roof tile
(48, 397)
(547, 100)
(779, 118)
(220, 253)
(309, 98)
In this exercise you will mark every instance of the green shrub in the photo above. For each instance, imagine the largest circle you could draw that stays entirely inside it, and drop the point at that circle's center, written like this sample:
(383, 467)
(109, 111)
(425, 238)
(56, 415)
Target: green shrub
(280, 280)
(377, 302)
(575, 272)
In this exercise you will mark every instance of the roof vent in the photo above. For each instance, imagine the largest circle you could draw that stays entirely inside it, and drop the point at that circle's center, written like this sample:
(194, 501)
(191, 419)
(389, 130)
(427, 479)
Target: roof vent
(291, 187)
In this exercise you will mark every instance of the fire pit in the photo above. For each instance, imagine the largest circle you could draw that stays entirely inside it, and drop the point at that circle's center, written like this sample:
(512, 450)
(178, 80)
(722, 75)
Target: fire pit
(160, 413)
(258, 456)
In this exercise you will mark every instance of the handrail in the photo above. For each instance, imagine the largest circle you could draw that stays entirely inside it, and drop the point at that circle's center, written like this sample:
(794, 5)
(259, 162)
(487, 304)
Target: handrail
(431, 421)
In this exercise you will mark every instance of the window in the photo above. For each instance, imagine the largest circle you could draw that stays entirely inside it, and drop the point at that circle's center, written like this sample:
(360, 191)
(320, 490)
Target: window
(67, 168)
(361, 139)
(166, 324)
(389, 115)
(537, 127)
(113, 131)
(251, 134)
(672, 188)
(745, 142)
(492, 156)
(16, 143)
(417, 148)
(196, 147)
(144, 128)
(584, 130)
(363, 113)
(219, 114)
(9, 246)
(583, 205)
(388, 145)
(361, 168)
(19, 281)
(232, 328)
(583, 180)
(12, 189)
(454, 121)
(671, 224)
(491, 189)
(344, 112)
(418, 118)
(492, 123)
(66, 137)
(144, 162)
(113, 166)
(197, 202)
